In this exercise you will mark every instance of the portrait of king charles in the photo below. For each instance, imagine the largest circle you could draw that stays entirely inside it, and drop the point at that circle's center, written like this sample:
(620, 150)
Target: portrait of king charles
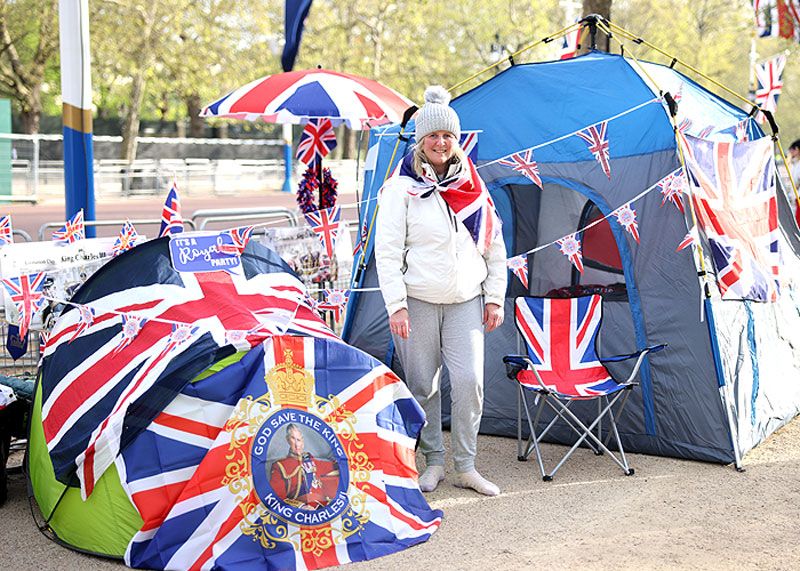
(300, 479)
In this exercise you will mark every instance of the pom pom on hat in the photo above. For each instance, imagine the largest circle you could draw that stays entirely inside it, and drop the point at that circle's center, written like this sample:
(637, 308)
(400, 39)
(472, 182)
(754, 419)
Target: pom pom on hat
(436, 114)
(437, 94)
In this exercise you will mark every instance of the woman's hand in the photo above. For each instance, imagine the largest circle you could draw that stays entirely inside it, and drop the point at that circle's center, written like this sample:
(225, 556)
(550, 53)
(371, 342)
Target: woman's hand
(492, 316)
(398, 323)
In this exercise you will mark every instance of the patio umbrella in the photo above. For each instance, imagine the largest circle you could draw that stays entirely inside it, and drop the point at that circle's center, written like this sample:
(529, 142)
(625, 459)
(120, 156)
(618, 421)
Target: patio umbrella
(297, 97)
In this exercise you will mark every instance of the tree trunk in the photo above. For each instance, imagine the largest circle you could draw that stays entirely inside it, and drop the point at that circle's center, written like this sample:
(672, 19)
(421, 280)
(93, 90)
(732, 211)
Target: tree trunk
(32, 111)
(130, 129)
(197, 125)
(602, 8)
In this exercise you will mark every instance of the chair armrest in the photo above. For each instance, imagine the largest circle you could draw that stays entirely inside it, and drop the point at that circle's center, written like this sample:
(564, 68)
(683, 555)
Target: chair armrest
(515, 364)
(640, 354)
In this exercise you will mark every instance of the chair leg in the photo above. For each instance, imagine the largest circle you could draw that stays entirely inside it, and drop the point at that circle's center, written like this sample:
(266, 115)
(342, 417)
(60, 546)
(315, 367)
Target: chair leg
(587, 434)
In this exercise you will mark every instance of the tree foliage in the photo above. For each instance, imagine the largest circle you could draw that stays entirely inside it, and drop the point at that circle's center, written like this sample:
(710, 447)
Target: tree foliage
(170, 57)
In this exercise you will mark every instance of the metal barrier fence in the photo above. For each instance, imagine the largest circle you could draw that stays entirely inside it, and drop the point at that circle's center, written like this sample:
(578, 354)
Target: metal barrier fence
(297, 244)
(218, 166)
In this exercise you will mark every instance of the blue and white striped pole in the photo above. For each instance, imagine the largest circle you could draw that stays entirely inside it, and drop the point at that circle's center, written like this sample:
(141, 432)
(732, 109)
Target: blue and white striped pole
(76, 97)
(287, 158)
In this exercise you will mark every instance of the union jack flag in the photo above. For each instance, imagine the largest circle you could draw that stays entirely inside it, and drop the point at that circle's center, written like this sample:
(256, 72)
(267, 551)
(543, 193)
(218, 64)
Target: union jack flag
(89, 386)
(595, 137)
(626, 216)
(570, 246)
(519, 267)
(741, 131)
(688, 240)
(560, 334)
(672, 187)
(72, 230)
(240, 237)
(469, 144)
(197, 513)
(171, 221)
(361, 239)
(27, 294)
(706, 132)
(468, 198)
(6, 233)
(733, 192)
(770, 83)
(325, 223)
(335, 301)
(524, 164)
(569, 44)
(126, 240)
(316, 141)
(684, 125)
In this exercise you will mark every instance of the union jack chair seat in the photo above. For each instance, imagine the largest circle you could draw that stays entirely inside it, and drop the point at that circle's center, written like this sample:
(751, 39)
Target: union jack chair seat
(561, 368)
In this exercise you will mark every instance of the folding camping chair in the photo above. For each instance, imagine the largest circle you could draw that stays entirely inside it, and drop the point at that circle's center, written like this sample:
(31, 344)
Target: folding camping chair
(562, 367)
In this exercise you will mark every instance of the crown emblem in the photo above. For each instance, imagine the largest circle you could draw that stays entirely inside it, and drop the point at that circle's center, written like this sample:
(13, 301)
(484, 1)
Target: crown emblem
(290, 384)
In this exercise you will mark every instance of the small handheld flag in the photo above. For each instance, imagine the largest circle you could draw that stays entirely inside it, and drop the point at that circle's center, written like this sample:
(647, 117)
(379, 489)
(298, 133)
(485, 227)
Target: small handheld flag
(72, 230)
(171, 221)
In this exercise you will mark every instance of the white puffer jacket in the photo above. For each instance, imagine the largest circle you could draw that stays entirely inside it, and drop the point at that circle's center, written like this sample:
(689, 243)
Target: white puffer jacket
(423, 251)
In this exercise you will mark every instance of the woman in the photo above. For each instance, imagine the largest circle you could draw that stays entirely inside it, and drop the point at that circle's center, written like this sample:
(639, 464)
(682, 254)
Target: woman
(441, 264)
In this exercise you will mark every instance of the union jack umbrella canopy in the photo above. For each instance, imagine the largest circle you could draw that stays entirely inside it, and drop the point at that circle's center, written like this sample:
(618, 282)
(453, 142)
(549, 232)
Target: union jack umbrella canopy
(298, 96)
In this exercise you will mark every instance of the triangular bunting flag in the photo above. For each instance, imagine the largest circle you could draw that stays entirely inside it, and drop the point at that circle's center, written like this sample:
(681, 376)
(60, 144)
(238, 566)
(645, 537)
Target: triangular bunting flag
(326, 225)
(519, 266)
(626, 216)
(336, 301)
(570, 246)
(688, 240)
(597, 139)
(524, 164)
(131, 326)
(672, 187)
(85, 320)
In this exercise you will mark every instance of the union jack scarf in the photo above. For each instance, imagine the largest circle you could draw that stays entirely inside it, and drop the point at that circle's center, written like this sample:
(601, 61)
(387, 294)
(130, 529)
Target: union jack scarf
(466, 195)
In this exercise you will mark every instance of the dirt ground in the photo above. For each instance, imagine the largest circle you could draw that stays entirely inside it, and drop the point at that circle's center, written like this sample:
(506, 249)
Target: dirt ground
(672, 514)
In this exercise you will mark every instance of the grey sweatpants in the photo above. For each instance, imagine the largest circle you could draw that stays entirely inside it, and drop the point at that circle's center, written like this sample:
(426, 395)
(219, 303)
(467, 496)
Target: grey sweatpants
(451, 334)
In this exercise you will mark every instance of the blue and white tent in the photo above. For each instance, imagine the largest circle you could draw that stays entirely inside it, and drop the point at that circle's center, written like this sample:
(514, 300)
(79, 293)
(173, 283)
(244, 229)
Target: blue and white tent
(730, 376)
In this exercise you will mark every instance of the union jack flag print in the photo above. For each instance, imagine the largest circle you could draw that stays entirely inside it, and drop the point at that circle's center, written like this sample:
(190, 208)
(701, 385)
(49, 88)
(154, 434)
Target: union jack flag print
(469, 144)
(325, 223)
(28, 297)
(560, 334)
(357, 424)
(171, 221)
(72, 230)
(570, 246)
(519, 267)
(316, 141)
(126, 240)
(596, 137)
(6, 232)
(733, 192)
(90, 385)
(524, 164)
(239, 237)
(468, 198)
(770, 83)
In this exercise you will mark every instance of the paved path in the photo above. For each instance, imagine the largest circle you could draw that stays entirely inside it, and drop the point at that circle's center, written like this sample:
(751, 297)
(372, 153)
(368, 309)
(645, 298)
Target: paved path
(672, 514)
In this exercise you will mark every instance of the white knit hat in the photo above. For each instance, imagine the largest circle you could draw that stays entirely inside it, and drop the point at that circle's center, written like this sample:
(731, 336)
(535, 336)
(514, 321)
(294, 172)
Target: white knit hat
(436, 114)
